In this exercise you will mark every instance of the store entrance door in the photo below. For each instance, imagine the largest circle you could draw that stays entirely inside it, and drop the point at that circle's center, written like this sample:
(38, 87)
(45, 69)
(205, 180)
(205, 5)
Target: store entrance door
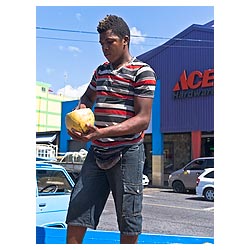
(207, 146)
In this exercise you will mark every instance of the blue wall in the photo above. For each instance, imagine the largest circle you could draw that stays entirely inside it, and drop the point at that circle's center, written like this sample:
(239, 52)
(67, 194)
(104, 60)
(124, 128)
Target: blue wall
(157, 136)
(191, 50)
(64, 137)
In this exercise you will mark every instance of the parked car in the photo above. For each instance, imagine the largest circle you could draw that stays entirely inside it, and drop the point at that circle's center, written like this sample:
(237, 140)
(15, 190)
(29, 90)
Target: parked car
(205, 184)
(185, 178)
(54, 186)
(145, 180)
(74, 160)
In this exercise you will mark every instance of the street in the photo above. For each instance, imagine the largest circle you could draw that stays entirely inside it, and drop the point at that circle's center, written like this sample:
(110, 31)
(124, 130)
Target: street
(166, 212)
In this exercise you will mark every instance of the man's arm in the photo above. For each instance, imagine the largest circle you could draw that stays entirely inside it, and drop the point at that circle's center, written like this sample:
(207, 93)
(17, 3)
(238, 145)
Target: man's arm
(87, 99)
(133, 125)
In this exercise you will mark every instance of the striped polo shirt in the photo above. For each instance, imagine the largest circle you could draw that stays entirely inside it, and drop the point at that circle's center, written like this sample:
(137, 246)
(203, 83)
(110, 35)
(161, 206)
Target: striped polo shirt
(115, 92)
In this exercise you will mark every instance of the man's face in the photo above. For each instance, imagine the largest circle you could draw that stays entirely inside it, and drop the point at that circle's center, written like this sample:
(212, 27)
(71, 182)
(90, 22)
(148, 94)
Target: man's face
(113, 47)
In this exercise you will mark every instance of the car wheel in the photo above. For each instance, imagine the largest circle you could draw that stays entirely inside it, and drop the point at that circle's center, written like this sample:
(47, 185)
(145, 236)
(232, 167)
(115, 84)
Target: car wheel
(178, 187)
(209, 194)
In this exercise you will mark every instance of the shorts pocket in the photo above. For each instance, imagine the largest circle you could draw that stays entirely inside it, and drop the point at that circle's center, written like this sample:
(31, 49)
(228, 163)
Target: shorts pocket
(132, 200)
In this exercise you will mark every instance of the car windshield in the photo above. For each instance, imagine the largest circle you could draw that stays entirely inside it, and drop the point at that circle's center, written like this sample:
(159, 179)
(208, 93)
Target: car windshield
(210, 163)
(52, 181)
(210, 175)
(200, 164)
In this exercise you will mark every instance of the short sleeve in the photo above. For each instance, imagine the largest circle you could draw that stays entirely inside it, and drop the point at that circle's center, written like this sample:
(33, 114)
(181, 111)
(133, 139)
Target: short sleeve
(145, 82)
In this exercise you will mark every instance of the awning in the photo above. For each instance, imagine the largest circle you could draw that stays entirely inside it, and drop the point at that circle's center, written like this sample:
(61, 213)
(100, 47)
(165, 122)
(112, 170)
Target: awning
(46, 138)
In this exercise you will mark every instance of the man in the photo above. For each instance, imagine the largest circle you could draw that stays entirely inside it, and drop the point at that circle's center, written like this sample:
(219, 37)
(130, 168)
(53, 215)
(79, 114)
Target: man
(122, 90)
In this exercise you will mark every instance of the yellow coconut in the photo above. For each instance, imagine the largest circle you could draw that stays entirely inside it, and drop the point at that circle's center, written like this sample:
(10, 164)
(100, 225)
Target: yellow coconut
(79, 118)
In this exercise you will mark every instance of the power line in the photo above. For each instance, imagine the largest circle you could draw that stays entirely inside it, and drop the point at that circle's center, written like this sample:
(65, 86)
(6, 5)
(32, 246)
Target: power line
(95, 33)
(64, 30)
(151, 45)
(66, 39)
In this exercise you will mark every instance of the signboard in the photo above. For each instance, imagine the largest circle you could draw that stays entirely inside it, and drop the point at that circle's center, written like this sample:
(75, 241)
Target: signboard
(195, 84)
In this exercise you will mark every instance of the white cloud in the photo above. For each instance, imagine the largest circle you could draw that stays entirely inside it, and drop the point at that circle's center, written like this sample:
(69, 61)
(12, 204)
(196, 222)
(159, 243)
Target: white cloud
(135, 32)
(49, 71)
(69, 91)
(78, 16)
(73, 49)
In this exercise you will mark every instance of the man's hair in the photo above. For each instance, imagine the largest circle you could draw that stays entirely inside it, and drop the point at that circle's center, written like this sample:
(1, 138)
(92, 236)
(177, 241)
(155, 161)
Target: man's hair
(114, 23)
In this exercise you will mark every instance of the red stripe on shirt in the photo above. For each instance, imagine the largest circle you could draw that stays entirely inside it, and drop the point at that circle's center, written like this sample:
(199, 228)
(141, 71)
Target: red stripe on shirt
(113, 77)
(106, 93)
(145, 82)
(114, 112)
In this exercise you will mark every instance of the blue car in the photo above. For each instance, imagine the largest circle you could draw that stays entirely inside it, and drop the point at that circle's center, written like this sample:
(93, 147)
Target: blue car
(54, 186)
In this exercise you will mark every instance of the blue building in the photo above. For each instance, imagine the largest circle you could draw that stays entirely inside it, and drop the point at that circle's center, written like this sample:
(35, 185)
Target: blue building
(182, 124)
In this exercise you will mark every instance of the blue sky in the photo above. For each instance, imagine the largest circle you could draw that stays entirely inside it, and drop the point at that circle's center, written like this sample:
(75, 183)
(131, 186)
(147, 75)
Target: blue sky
(66, 60)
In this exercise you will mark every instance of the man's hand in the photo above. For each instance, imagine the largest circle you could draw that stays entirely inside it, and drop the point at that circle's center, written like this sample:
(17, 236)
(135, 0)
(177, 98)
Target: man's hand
(80, 106)
(92, 133)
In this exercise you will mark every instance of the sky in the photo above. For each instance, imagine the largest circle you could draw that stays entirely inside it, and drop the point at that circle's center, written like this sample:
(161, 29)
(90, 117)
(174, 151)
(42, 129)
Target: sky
(67, 47)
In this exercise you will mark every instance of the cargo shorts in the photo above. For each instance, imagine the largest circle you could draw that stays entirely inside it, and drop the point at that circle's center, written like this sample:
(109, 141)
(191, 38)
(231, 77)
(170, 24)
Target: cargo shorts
(94, 185)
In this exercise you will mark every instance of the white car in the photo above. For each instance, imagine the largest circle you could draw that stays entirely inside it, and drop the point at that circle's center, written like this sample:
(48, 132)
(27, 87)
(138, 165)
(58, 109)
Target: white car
(145, 180)
(205, 184)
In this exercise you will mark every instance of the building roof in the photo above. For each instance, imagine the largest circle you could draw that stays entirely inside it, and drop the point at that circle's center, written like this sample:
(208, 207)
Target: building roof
(184, 37)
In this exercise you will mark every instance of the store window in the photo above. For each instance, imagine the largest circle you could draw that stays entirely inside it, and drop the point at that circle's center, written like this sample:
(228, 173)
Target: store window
(147, 170)
(207, 146)
(168, 157)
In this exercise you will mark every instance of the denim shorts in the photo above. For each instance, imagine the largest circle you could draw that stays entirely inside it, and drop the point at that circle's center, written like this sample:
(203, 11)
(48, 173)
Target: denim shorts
(93, 187)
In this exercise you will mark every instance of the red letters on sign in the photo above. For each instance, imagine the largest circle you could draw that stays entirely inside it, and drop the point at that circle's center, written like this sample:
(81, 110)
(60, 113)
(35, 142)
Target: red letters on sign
(208, 78)
(195, 80)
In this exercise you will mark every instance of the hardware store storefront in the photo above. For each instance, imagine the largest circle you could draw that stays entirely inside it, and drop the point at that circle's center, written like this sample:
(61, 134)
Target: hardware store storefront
(184, 99)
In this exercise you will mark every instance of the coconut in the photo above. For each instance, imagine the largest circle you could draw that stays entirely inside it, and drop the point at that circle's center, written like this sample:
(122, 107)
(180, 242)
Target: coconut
(79, 118)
